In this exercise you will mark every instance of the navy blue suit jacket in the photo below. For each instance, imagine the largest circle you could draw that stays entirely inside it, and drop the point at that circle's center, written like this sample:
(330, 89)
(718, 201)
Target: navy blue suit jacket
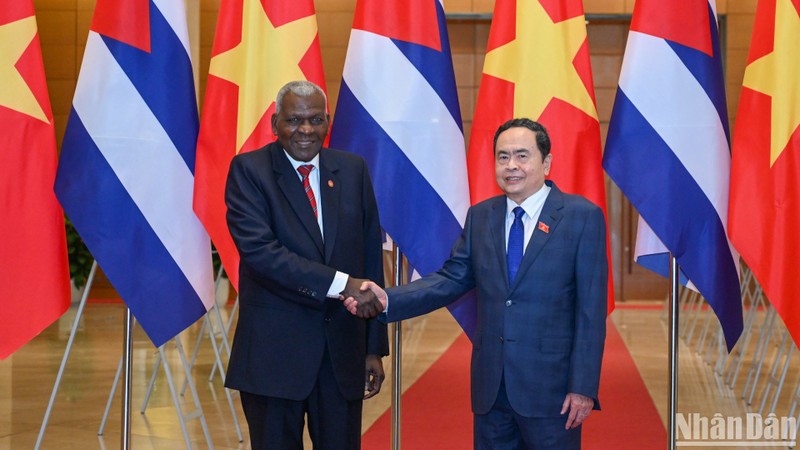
(285, 320)
(545, 333)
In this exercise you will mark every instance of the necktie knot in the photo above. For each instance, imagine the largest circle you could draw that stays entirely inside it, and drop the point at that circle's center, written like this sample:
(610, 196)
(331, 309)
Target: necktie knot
(305, 169)
(518, 213)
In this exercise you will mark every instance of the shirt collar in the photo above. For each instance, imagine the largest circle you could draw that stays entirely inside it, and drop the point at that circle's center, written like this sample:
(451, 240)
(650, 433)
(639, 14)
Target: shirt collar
(296, 164)
(531, 204)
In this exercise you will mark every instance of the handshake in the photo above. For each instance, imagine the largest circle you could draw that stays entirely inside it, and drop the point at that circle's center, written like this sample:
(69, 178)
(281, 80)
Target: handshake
(363, 298)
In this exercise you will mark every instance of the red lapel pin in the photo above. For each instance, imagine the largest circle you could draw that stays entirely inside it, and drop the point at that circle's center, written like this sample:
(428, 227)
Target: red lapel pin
(544, 227)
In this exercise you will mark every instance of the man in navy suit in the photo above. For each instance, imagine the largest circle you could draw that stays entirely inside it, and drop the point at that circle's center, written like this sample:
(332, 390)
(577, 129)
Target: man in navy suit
(541, 318)
(305, 221)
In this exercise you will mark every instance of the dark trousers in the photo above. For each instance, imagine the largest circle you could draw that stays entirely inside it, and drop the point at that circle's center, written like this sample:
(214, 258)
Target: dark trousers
(504, 429)
(333, 422)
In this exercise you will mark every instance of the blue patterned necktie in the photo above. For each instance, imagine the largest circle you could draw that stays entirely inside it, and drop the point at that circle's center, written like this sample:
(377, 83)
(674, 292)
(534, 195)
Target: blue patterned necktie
(516, 240)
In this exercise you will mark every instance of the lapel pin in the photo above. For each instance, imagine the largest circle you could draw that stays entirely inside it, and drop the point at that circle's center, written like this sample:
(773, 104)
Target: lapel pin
(544, 227)
(330, 183)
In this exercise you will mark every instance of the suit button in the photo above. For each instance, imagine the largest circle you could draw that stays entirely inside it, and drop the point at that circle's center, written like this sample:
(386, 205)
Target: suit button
(508, 302)
(327, 319)
(501, 339)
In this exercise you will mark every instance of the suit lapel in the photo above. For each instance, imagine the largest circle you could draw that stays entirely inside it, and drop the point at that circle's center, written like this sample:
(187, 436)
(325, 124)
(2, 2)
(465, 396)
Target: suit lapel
(330, 190)
(289, 183)
(497, 225)
(550, 216)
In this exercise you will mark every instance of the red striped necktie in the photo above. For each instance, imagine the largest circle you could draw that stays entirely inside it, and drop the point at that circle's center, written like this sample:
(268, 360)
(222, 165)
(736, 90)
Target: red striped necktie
(304, 170)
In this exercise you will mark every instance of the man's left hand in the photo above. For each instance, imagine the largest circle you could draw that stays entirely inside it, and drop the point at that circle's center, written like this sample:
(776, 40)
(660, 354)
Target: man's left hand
(374, 376)
(579, 407)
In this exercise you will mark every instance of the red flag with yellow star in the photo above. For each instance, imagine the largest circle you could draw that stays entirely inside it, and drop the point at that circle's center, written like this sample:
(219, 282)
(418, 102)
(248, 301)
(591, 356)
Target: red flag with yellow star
(537, 66)
(33, 244)
(260, 45)
(764, 213)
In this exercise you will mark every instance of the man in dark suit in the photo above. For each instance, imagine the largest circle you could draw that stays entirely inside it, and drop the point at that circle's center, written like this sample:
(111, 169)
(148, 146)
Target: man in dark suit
(539, 341)
(305, 221)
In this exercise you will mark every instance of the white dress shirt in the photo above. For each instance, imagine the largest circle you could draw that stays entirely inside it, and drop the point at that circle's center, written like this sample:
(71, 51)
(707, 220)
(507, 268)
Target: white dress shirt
(340, 279)
(532, 207)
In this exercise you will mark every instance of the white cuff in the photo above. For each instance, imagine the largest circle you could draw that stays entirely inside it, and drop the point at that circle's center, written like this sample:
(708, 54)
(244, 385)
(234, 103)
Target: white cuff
(338, 285)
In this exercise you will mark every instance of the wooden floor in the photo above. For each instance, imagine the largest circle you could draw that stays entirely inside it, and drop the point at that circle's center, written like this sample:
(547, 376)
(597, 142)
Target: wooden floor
(27, 377)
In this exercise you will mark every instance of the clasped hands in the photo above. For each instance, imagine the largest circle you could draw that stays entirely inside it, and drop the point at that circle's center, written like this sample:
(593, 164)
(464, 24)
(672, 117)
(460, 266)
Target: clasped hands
(363, 298)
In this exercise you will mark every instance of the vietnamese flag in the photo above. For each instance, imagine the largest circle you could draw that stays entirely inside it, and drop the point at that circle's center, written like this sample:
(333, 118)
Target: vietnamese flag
(259, 46)
(33, 246)
(764, 213)
(537, 66)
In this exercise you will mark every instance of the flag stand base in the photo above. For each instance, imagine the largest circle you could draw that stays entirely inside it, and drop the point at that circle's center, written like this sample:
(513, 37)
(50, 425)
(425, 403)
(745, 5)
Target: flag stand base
(224, 329)
(198, 413)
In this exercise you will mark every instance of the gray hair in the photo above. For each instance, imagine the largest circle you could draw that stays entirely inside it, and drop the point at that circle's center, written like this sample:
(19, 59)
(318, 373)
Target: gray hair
(300, 88)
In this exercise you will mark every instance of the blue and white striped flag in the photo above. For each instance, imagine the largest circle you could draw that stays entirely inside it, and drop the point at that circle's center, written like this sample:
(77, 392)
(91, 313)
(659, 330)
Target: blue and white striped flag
(668, 149)
(125, 176)
(398, 108)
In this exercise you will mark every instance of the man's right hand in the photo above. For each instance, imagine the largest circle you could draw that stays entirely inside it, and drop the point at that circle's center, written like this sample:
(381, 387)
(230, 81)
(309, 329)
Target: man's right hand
(362, 301)
(367, 288)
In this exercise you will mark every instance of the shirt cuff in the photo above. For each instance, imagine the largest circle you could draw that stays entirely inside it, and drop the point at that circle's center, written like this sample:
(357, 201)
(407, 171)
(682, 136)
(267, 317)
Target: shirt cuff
(338, 285)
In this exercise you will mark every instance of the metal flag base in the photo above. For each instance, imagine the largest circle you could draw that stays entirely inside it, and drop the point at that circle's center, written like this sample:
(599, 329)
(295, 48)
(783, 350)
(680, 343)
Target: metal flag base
(674, 291)
(207, 325)
(161, 361)
(124, 364)
(397, 357)
(70, 341)
(217, 365)
(127, 344)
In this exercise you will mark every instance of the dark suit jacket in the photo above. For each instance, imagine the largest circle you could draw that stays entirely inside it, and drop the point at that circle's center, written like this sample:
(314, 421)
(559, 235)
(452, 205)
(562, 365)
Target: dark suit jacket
(286, 321)
(545, 332)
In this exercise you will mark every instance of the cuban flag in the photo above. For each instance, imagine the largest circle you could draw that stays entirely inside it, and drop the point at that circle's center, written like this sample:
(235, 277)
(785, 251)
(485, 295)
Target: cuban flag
(398, 108)
(668, 149)
(126, 173)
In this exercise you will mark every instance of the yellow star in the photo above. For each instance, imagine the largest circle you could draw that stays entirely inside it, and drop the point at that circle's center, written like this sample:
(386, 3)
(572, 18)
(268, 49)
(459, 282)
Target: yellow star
(14, 90)
(777, 74)
(539, 62)
(266, 58)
